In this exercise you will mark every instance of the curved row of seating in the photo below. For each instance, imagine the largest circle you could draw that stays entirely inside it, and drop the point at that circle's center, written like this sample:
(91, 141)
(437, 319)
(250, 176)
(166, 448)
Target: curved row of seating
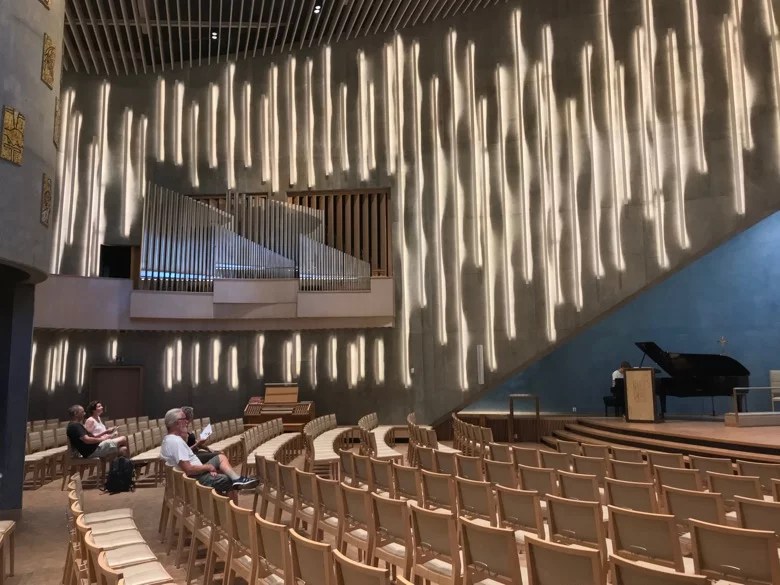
(421, 436)
(377, 440)
(469, 438)
(323, 439)
(268, 440)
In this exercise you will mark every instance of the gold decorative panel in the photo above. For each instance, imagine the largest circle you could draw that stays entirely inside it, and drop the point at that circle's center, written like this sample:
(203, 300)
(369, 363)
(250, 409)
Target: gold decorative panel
(49, 60)
(57, 122)
(12, 147)
(46, 200)
(46, 3)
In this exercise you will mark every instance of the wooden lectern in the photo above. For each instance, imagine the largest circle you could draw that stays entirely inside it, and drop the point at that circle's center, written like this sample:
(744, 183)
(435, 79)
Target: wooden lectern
(640, 395)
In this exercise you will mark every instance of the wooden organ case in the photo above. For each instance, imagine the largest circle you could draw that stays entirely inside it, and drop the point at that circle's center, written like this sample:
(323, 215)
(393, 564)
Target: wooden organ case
(280, 401)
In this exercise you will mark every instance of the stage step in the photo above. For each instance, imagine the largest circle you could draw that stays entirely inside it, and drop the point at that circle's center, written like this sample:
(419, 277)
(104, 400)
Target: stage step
(550, 441)
(583, 432)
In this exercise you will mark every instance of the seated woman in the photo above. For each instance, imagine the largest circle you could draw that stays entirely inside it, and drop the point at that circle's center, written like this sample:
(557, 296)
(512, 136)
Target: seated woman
(94, 423)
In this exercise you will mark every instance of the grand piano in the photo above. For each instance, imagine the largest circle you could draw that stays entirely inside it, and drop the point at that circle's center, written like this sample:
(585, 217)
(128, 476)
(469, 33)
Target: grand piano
(694, 374)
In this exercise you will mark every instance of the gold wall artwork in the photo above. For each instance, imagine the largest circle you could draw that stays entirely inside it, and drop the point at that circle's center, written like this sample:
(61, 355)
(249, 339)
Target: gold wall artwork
(46, 200)
(57, 122)
(12, 146)
(47, 3)
(49, 61)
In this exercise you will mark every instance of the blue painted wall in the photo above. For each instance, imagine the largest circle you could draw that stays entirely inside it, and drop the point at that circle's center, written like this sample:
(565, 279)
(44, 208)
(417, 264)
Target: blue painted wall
(734, 292)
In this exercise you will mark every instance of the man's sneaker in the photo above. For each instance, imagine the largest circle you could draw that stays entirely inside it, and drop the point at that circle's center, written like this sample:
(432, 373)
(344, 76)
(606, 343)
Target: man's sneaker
(245, 483)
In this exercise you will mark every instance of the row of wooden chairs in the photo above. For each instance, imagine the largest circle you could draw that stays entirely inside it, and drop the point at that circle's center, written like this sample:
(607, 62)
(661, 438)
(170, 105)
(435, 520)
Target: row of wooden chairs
(471, 439)
(421, 436)
(43, 424)
(255, 437)
(7, 538)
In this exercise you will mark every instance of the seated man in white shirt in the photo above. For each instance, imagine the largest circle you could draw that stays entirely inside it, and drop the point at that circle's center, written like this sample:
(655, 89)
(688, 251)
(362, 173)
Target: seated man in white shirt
(620, 373)
(217, 473)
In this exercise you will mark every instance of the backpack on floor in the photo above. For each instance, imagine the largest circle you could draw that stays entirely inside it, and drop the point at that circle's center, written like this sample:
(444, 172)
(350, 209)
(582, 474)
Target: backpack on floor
(121, 476)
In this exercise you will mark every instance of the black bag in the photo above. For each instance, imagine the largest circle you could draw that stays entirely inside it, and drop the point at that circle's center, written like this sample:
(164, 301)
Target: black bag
(121, 476)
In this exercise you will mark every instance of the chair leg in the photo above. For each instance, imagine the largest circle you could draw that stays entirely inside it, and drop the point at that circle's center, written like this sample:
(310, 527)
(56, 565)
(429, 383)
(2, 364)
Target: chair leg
(12, 551)
(172, 520)
(65, 475)
(180, 545)
(191, 560)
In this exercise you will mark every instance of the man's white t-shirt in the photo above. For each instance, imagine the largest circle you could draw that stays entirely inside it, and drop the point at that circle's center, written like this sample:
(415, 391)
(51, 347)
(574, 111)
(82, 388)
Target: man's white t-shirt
(617, 374)
(174, 449)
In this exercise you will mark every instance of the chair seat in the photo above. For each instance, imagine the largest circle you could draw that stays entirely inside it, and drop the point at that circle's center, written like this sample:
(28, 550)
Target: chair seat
(107, 516)
(146, 574)
(113, 526)
(331, 521)
(441, 566)
(221, 546)
(359, 534)
(732, 520)
(128, 556)
(118, 539)
(7, 526)
(394, 548)
(521, 534)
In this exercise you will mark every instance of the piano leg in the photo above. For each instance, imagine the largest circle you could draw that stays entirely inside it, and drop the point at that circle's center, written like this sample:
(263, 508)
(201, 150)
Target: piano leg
(662, 398)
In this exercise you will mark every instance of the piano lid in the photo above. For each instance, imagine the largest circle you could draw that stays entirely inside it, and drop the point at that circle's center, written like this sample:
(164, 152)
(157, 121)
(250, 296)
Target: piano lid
(686, 365)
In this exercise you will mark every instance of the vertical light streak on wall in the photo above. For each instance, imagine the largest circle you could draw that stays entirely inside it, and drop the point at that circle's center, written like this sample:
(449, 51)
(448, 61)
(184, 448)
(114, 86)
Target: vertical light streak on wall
(297, 354)
(775, 54)
(128, 182)
(488, 274)
(507, 212)
(591, 133)
(419, 176)
(313, 365)
(213, 103)
(233, 367)
(178, 115)
(81, 365)
(404, 309)
(168, 368)
(63, 369)
(438, 208)
(333, 364)
(371, 127)
(178, 361)
(216, 354)
(696, 84)
(194, 112)
(745, 90)
(292, 121)
(33, 352)
(92, 188)
(520, 67)
(737, 165)
(681, 168)
(64, 161)
(72, 194)
(361, 348)
(390, 115)
(352, 365)
(265, 134)
(343, 136)
(573, 160)
(111, 349)
(622, 130)
(476, 149)
(547, 234)
(143, 126)
(103, 176)
(458, 203)
(273, 83)
(328, 104)
(230, 126)
(287, 361)
(379, 361)
(247, 125)
(642, 91)
(195, 364)
(259, 349)
(49, 381)
(310, 178)
(362, 117)
(160, 120)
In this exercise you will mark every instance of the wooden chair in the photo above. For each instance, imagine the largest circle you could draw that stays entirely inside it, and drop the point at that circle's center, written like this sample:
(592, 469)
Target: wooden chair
(445, 462)
(686, 479)
(273, 550)
(576, 486)
(190, 510)
(221, 545)
(436, 551)
(79, 465)
(716, 464)
(348, 572)
(501, 452)
(576, 522)
(626, 572)
(539, 479)
(568, 447)
(525, 456)
(489, 555)
(178, 511)
(629, 454)
(406, 481)
(362, 468)
(243, 562)
(346, 466)
(730, 486)
(758, 514)
(426, 458)
(522, 512)
(151, 573)
(687, 505)
(594, 450)
(765, 472)
(382, 475)
(7, 537)
(311, 561)
(306, 507)
(630, 471)
(501, 473)
(469, 467)
(665, 459)
(437, 491)
(204, 524)
(328, 496)
(391, 525)
(632, 495)
(287, 492)
(735, 554)
(596, 466)
(554, 564)
(556, 461)
(475, 501)
(355, 522)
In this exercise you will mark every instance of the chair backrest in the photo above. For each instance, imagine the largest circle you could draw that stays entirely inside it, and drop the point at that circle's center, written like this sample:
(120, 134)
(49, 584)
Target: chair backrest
(569, 447)
(519, 510)
(626, 572)
(687, 504)
(390, 519)
(576, 522)
(592, 450)
(221, 507)
(500, 452)
(475, 500)
(35, 441)
(731, 485)
(735, 554)
(553, 564)
(631, 495)
(591, 466)
(242, 532)
(204, 503)
(716, 464)
(687, 479)
(287, 480)
(349, 572)
(526, 456)
(665, 459)
(501, 473)
(437, 490)
(577, 486)
(312, 562)
(362, 465)
(406, 481)
(556, 461)
(765, 472)
(627, 454)
(536, 478)
(645, 537)
(445, 462)
(382, 475)
(435, 534)
(328, 495)
(271, 472)
(758, 514)
(489, 554)
(631, 471)
(272, 545)
(356, 507)
(469, 467)
(425, 456)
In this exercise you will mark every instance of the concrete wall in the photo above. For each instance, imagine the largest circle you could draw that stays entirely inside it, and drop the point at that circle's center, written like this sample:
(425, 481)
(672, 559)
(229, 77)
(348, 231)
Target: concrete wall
(24, 242)
(636, 151)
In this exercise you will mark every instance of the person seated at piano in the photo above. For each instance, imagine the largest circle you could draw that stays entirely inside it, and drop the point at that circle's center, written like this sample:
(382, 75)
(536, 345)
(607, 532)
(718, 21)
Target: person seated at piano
(620, 373)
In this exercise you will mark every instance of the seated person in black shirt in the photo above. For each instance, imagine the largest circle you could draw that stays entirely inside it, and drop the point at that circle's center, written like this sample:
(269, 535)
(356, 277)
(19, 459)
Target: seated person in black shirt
(198, 446)
(83, 444)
